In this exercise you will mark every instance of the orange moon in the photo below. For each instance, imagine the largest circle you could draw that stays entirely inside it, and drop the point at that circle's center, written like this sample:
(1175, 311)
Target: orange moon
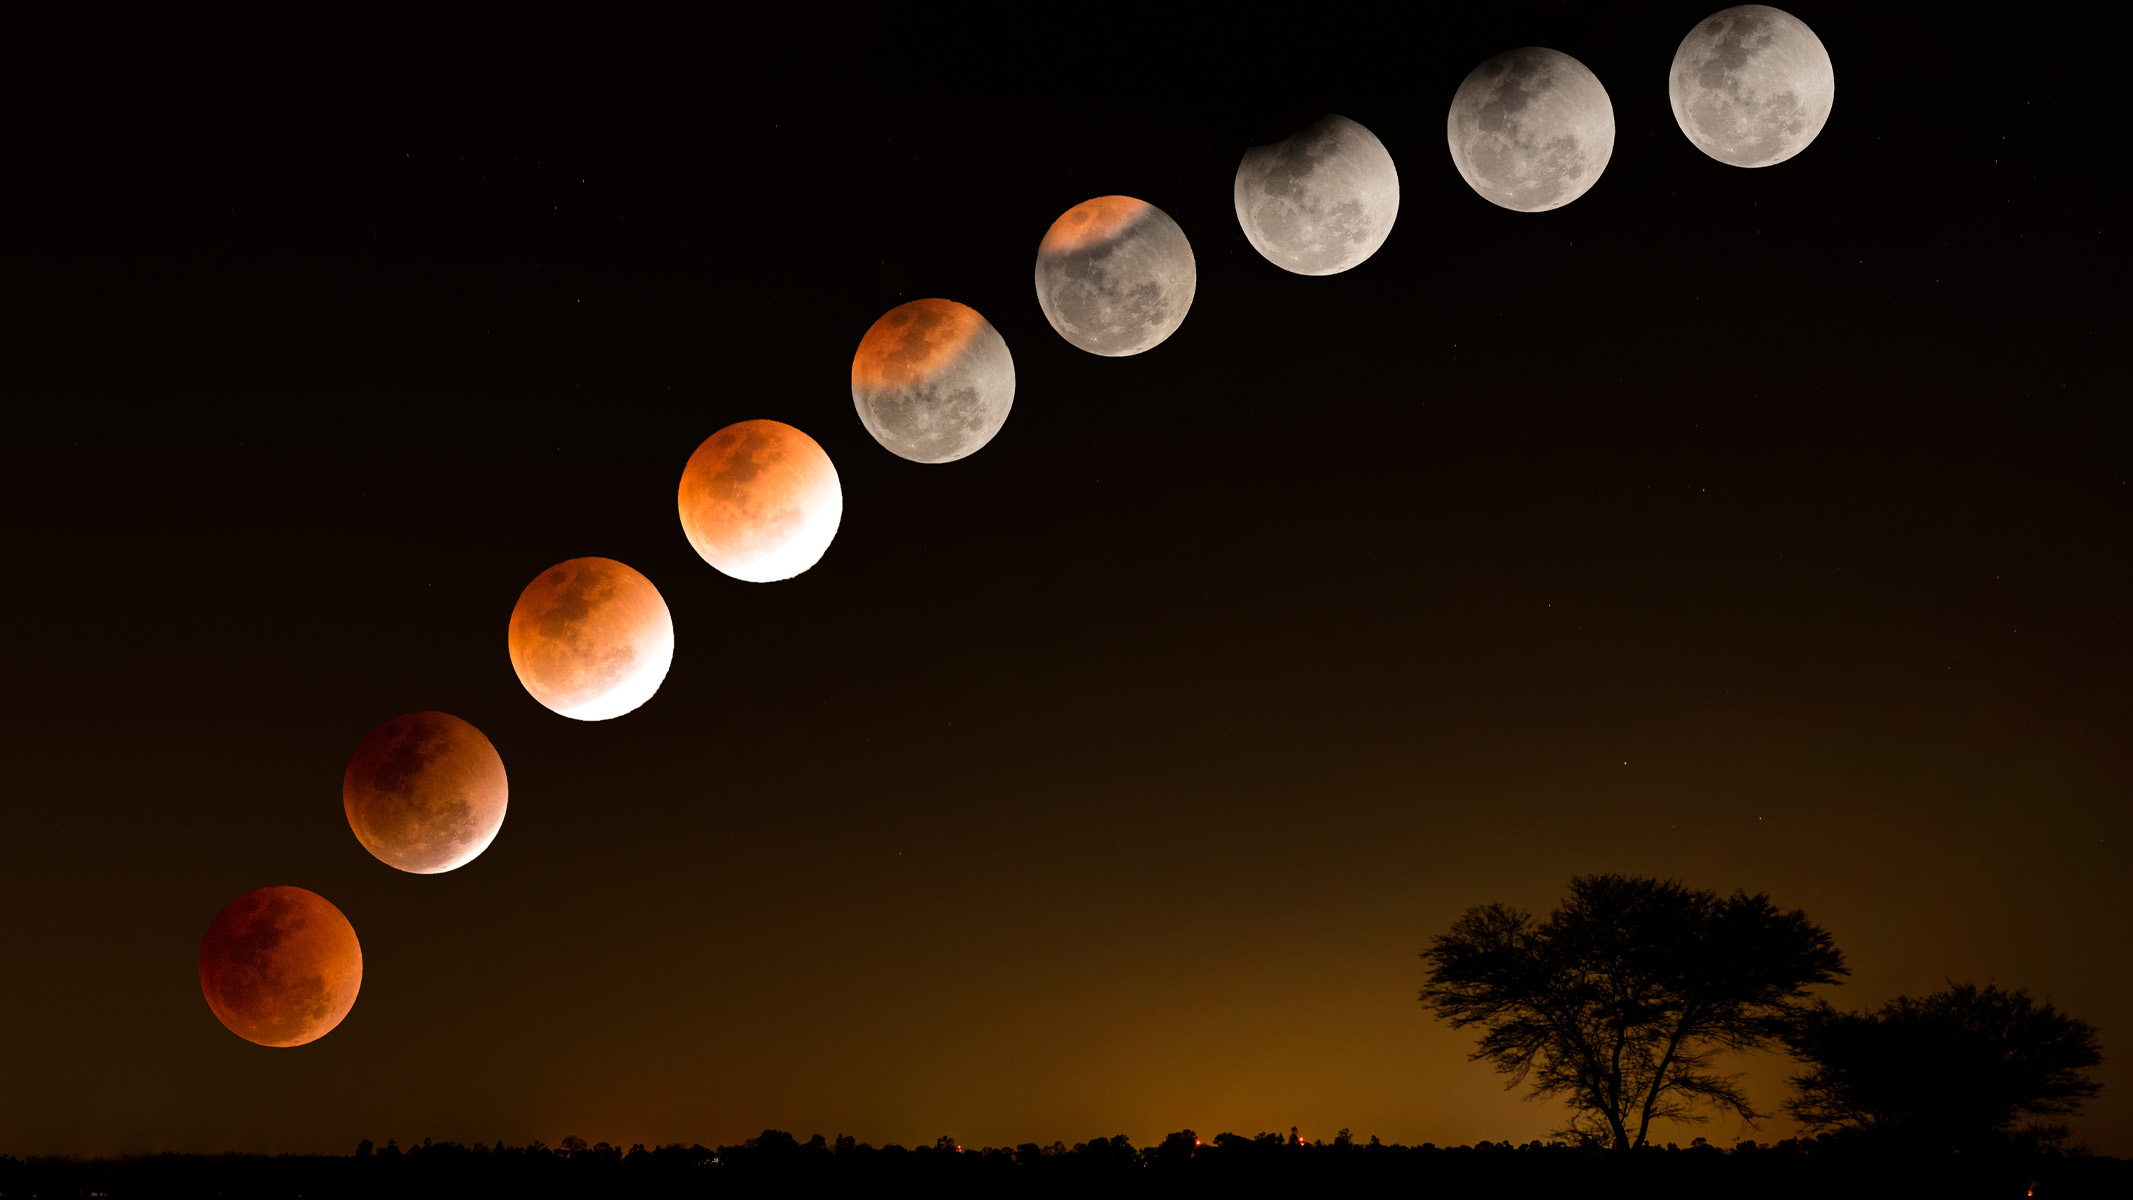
(760, 501)
(280, 966)
(425, 792)
(591, 639)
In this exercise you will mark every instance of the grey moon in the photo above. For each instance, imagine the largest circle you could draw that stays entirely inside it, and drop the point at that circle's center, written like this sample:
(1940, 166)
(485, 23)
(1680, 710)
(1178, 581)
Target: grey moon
(1319, 201)
(1115, 275)
(1531, 129)
(933, 381)
(1751, 86)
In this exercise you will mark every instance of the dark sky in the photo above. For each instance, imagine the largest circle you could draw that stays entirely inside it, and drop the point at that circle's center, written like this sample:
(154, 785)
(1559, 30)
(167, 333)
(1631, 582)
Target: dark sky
(1764, 529)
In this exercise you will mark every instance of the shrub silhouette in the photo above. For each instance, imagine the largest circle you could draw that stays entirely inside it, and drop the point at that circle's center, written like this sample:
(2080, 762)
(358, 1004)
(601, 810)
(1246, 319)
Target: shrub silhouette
(1955, 1070)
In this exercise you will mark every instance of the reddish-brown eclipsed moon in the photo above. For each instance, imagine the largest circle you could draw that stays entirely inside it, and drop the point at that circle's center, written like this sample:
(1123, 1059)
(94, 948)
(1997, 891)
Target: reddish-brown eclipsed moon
(760, 501)
(280, 966)
(425, 792)
(591, 638)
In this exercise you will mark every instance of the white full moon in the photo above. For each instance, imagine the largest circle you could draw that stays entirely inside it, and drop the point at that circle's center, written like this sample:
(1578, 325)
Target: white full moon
(1751, 85)
(1321, 200)
(1531, 129)
(1115, 275)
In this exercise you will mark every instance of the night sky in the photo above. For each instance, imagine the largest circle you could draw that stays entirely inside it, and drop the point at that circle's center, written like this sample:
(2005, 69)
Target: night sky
(1763, 529)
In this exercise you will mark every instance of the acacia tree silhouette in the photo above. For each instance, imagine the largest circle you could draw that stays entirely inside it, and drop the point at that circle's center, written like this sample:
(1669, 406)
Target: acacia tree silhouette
(1954, 1070)
(1623, 998)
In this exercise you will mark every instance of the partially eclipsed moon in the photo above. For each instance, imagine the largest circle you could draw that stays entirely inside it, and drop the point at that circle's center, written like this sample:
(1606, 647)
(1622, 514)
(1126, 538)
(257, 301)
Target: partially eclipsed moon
(760, 501)
(425, 792)
(280, 966)
(1751, 85)
(933, 380)
(1321, 200)
(591, 638)
(1115, 275)
(1531, 129)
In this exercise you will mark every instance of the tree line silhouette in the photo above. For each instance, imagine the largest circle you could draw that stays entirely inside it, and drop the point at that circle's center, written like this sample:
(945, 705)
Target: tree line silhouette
(778, 1163)
(1622, 1003)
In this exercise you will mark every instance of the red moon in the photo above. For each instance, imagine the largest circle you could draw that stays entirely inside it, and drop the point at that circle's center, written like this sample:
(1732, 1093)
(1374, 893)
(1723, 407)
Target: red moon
(280, 966)
(591, 638)
(760, 501)
(425, 792)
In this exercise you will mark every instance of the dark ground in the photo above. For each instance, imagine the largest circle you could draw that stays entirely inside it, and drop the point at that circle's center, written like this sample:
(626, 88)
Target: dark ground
(1260, 1166)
